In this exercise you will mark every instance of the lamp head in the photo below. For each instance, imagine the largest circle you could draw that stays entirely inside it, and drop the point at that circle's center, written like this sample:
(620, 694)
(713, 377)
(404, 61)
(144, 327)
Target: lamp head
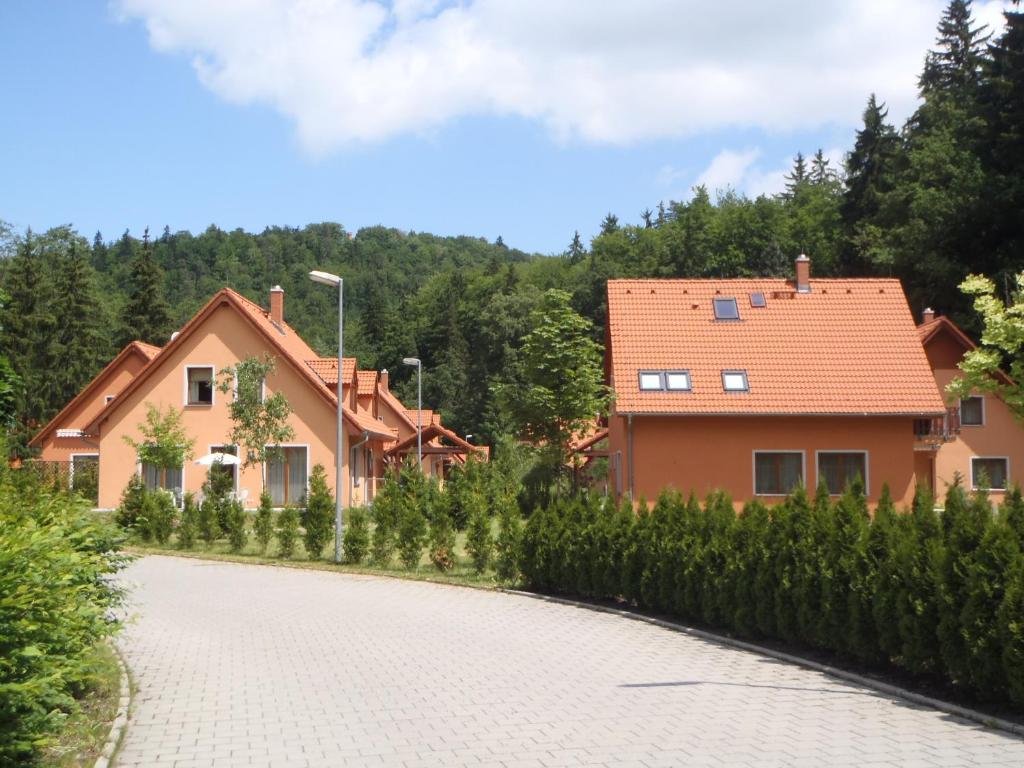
(324, 278)
(411, 361)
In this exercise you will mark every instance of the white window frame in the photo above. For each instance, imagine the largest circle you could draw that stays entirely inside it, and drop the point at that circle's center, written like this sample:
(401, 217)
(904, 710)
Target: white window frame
(263, 388)
(735, 372)
(983, 414)
(290, 445)
(753, 469)
(648, 372)
(867, 467)
(71, 465)
(974, 483)
(213, 386)
(679, 372)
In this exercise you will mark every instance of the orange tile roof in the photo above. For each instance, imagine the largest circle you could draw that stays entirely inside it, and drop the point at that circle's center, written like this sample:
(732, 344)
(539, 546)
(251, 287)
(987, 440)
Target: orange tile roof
(930, 330)
(327, 369)
(848, 347)
(366, 382)
(148, 350)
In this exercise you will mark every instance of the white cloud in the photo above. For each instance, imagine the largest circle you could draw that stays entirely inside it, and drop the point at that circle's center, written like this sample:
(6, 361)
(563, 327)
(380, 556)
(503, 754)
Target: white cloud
(361, 70)
(728, 169)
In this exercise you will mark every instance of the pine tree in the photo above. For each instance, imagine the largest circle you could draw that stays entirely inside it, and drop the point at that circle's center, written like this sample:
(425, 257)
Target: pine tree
(146, 316)
(798, 177)
(576, 250)
(821, 174)
(609, 224)
(79, 343)
(955, 67)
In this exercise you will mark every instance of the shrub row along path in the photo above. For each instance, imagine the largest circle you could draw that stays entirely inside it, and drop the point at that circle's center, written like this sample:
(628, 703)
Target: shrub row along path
(240, 665)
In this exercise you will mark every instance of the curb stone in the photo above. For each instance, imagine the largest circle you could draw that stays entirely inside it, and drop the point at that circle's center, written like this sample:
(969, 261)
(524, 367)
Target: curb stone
(949, 708)
(117, 728)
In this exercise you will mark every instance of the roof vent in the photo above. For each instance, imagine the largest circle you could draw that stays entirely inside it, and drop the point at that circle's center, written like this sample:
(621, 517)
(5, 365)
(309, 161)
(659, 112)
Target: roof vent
(928, 315)
(175, 335)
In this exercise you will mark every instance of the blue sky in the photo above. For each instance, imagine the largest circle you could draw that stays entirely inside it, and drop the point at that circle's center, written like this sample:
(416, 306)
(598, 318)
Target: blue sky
(527, 120)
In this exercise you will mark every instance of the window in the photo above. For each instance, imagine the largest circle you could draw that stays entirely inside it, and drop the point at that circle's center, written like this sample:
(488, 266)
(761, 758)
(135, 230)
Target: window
(650, 381)
(972, 412)
(108, 399)
(231, 470)
(777, 473)
(726, 309)
(757, 300)
(840, 468)
(286, 476)
(734, 381)
(677, 381)
(85, 474)
(169, 478)
(990, 473)
(199, 385)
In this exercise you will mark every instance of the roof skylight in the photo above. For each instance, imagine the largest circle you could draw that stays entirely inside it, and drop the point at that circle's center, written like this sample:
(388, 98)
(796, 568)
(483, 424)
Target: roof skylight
(677, 381)
(651, 381)
(757, 299)
(726, 309)
(735, 381)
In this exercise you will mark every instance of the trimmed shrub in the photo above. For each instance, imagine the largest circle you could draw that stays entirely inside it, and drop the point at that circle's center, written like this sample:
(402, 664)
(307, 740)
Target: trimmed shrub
(236, 522)
(287, 532)
(1011, 632)
(263, 525)
(162, 522)
(208, 529)
(318, 516)
(441, 543)
(132, 498)
(479, 544)
(508, 544)
(188, 526)
(411, 533)
(387, 505)
(356, 540)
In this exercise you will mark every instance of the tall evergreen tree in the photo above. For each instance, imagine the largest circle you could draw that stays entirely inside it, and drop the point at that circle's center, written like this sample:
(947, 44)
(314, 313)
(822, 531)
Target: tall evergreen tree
(576, 251)
(797, 177)
(79, 344)
(609, 224)
(146, 315)
(954, 68)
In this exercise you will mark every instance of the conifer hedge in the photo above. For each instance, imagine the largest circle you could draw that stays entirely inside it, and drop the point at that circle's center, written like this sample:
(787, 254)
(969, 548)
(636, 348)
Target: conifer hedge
(931, 593)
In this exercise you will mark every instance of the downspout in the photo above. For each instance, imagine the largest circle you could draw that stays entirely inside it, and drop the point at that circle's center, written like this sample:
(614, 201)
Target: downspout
(629, 454)
(352, 460)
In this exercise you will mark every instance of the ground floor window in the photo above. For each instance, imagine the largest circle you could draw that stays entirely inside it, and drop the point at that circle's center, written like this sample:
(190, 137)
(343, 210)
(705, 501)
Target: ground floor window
(990, 473)
(231, 470)
(840, 468)
(85, 468)
(169, 478)
(286, 475)
(776, 473)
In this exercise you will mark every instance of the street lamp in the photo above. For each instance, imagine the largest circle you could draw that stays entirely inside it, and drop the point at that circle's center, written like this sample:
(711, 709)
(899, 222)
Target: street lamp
(326, 278)
(419, 406)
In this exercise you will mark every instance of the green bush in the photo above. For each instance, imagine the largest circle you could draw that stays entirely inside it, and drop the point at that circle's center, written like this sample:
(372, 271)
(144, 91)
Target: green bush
(132, 498)
(479, 544)
(509, 541)
(263, 525)
(161, 523)
(441, 543)
(386, 508)
(56, 596)
(208, 528)
(356, 541)
(287, 532)
(318, 516)
(411, 532)
(188, 526)
(1011, 632)
(237, 526)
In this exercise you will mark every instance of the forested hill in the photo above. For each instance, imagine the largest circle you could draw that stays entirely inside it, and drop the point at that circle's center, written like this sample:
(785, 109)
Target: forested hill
(928, 202)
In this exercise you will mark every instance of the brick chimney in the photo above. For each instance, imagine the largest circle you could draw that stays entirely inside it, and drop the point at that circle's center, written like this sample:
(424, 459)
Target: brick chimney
(928, 315)
(277, 305)
(384, 379)
(803, 274)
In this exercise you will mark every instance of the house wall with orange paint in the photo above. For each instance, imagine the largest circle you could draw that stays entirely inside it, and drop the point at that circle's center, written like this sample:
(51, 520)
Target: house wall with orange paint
(1000, 435)
(53, 448)
(223, 340)
(705, 453)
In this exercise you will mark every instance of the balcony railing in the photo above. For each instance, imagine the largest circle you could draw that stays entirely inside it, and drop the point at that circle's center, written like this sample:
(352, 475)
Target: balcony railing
(940, 429)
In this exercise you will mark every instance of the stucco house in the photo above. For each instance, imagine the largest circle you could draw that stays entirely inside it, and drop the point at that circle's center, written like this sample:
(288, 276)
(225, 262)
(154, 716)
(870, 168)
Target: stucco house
(183, 374)
(756, 385)
(979, 437)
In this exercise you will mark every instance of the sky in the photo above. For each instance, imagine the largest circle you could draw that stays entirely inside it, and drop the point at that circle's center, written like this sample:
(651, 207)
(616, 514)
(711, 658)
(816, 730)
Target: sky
(525, 119)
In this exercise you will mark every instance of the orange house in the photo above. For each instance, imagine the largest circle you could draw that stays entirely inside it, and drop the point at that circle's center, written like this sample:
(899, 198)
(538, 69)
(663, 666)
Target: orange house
(183, 374)
(756, 386)
(980, 437)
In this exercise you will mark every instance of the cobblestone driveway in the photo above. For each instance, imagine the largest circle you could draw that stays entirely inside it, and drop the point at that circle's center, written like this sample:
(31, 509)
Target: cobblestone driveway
(239, 665)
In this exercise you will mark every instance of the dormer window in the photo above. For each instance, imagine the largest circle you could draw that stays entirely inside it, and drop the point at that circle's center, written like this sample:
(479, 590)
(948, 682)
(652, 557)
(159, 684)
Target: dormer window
(735, 381)
(650, 381)
(198, 385)
(726, 309)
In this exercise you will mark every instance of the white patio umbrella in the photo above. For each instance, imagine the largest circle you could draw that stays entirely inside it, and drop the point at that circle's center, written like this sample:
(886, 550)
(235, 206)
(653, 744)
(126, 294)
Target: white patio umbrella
(217, 458)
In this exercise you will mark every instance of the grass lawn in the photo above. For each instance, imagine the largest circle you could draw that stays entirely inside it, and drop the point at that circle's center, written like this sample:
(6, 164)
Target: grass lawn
(463, 572)
(81, 739)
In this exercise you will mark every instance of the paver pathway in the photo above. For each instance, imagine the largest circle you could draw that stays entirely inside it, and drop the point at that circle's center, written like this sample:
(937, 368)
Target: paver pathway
(240, 665)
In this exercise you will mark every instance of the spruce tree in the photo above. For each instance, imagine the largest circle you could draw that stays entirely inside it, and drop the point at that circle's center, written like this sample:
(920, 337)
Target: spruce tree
(79, 344)
(797, 177)
(146, 315)
(954, 68)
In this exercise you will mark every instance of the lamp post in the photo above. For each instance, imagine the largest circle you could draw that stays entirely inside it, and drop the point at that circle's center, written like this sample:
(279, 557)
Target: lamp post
(419, 406)
(326, 278)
